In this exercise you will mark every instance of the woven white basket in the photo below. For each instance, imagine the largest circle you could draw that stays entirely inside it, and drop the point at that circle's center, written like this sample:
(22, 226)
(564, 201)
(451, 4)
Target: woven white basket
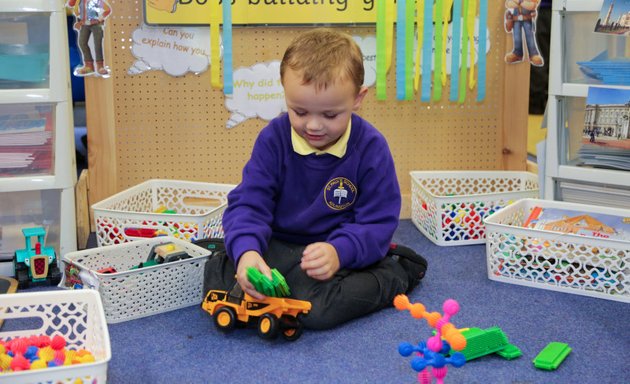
(569, 263)
(130, 294)
(76, 315)
(132, 214)
(448, 207)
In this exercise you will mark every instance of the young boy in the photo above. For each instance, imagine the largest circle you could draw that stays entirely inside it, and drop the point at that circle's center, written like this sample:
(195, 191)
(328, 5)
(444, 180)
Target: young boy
(319, 199)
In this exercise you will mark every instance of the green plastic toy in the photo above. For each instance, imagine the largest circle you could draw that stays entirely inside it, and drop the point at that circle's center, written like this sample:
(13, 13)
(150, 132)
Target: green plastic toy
(510, 352)
(279, 283)
(552, 356)
(277, 287)
(481, 342)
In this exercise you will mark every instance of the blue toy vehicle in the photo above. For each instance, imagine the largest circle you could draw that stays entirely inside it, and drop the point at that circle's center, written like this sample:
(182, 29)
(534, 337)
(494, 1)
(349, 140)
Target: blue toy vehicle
(35, 265)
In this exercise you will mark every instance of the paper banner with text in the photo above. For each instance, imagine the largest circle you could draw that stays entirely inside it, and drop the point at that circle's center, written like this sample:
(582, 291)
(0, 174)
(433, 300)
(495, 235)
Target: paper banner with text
(258, 92)
(268, 12)
(176, 51)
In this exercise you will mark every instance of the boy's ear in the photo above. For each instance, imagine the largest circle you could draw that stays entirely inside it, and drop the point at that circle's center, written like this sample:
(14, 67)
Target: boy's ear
(359, 97)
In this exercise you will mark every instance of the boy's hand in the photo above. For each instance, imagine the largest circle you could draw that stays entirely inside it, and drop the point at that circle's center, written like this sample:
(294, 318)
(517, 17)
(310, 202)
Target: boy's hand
(320, 261)
(251, 259)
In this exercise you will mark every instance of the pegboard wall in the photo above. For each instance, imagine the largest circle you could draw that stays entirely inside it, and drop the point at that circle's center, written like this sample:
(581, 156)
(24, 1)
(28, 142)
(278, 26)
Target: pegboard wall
(152, 125)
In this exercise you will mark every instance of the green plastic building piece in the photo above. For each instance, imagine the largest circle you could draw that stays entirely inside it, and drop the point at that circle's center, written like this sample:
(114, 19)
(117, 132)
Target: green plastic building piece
(277, 287)
(280, 284)
(260, 282)
(482, 342)
(510, 352)
(552, 356)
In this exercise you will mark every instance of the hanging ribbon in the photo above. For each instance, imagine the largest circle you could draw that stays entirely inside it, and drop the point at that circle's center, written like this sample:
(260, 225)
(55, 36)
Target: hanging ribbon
(463, 71)
(228, 89)
(437, 57)
(445, 15)
(455, 49)
(419, 27)
(409, 18)
(215, 48)
(400, 49)
(427, 46)
(389, 31)
(384, 48)
(483, 21)
(381, 57)
(470, 25)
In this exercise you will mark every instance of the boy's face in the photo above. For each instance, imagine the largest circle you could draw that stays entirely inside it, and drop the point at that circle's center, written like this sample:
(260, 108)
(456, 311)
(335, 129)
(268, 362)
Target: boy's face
(320, 116)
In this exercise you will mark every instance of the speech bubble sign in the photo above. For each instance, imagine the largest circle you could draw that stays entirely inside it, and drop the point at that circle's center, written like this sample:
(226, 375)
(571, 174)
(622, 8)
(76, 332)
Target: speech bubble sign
(257, 93)
(173, 50)
(368, 49)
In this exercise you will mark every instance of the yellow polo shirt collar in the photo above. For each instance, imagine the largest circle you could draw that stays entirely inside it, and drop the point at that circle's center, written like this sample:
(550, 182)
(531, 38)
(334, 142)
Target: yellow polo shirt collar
(302, 147)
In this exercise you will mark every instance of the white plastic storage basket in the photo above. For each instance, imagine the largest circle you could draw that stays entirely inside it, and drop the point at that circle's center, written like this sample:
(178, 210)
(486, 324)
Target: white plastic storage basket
(572, 263)
(134, 293)
(448, 207)
(135, 213)
(75, 315)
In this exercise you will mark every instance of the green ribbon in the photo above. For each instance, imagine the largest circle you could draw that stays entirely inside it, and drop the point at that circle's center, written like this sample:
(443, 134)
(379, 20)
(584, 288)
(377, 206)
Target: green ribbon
(381, 48)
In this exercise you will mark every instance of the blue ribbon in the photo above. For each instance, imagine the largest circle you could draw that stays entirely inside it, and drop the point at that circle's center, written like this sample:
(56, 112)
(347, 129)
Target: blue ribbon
(228, 86)
(400, 49)
(481, 54)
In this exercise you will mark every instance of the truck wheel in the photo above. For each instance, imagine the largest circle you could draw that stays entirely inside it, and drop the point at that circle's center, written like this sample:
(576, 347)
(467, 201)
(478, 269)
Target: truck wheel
(292, 334)
(268, 326)
(21, 274)
(291, 328)
(54, 275)
(225, 319)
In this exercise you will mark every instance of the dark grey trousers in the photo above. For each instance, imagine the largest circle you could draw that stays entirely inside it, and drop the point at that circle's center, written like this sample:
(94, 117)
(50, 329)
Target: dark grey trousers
(96, 31)
(348, 295)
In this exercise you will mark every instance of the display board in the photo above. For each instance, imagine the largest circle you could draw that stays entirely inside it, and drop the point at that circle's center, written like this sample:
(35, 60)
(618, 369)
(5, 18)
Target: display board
(153, 125)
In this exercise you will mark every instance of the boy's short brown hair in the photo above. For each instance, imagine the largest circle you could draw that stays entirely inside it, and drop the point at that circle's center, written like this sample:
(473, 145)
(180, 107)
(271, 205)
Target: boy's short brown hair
(324, 56)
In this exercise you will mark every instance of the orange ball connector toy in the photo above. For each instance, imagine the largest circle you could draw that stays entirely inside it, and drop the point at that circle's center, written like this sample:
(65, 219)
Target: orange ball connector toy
(441, 323)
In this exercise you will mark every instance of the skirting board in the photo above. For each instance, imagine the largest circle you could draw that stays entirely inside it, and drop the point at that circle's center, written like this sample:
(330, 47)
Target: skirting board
(83, 213)
(405, 211)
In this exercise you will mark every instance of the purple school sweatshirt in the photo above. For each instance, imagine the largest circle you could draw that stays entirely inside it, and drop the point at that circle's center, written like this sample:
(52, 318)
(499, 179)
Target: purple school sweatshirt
(352, 202)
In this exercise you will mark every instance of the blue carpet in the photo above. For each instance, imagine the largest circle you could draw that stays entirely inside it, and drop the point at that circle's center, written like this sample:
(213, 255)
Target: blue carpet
(183, 346)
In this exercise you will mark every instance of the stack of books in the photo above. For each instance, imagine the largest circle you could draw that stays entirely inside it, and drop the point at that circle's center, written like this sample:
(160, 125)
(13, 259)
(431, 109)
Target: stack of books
(615, 71)
(603, 156)
(25, 143)
(597, 225)
(594, 194)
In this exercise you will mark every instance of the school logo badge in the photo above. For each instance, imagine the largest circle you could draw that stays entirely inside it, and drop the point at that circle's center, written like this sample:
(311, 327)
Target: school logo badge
(340, 193)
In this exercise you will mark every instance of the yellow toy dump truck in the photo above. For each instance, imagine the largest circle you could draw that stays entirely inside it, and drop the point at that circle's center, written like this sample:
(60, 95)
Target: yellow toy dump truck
(272, 316)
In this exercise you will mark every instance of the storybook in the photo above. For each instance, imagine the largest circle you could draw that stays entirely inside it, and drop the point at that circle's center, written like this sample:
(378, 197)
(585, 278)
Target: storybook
(579, 223)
